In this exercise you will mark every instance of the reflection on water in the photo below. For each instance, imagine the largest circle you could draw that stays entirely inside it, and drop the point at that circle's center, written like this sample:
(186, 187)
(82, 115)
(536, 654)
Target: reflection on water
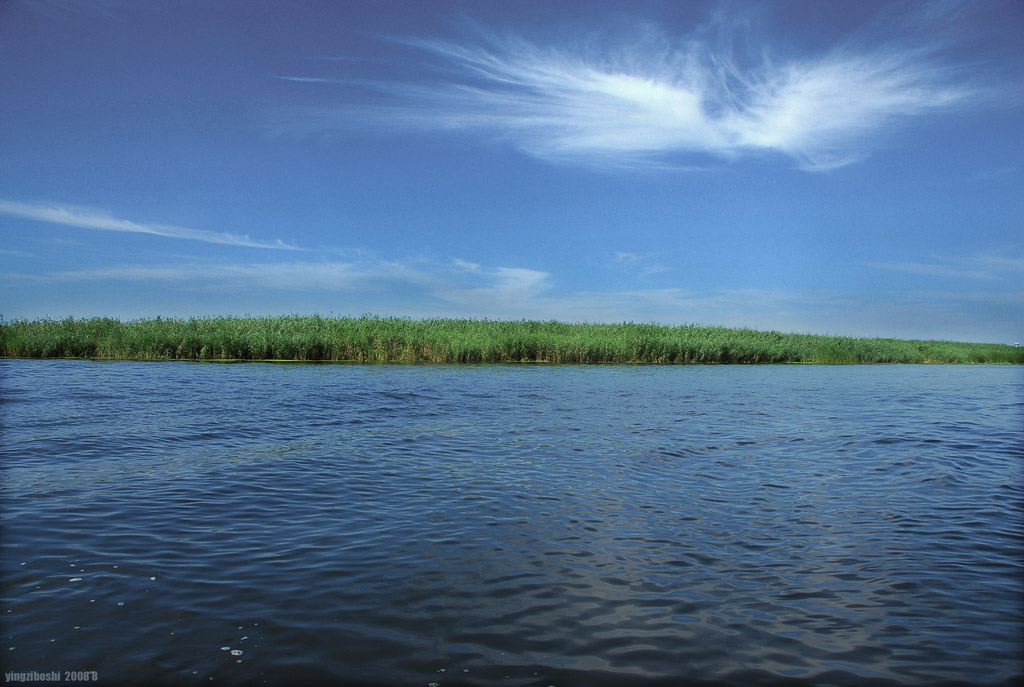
(170, 523)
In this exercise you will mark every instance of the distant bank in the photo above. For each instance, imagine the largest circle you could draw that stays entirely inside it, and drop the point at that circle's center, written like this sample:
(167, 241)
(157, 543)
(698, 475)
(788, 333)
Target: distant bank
(383, 339)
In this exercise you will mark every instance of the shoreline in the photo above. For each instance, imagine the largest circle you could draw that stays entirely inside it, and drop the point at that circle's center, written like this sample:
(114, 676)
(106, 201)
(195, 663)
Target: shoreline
(539, 363)
(370, 339)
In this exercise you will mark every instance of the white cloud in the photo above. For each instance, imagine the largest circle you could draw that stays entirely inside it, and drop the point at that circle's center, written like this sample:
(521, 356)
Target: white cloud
(95, 219)
(520, 280)
(502, 289)
(645, 97)
(817, 111)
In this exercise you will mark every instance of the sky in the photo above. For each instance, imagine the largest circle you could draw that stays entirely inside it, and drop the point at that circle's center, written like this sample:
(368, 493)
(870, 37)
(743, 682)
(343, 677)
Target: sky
(851, 168)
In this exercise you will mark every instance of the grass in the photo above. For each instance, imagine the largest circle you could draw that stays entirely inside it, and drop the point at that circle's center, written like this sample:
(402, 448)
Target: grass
(377, 339)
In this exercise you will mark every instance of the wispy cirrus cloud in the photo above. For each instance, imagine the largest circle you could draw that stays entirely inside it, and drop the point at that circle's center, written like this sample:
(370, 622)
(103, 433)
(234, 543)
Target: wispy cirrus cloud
(640, 265)
(16, 253)
(456, 281)
(985, 267)
(641, 96)
(337, 58)
(88, 218)
(309, 79)
(934, 270)
(332, 276)
(108, 8)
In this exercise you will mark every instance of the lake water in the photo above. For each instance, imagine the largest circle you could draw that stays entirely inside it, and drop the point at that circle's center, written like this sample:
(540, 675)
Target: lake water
(203, 523)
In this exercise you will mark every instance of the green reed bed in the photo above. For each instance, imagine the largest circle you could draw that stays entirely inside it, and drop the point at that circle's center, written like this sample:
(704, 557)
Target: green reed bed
(377, 339)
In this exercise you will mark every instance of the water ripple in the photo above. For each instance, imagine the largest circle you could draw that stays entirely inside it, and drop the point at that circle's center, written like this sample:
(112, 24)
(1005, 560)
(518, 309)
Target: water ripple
(512, 525)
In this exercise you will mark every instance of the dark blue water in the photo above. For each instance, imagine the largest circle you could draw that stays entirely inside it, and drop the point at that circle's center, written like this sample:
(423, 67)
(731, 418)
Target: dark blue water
(190, 523)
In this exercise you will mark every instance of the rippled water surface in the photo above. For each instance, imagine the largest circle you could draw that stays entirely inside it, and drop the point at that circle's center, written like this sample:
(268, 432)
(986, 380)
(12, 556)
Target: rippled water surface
(186, 523)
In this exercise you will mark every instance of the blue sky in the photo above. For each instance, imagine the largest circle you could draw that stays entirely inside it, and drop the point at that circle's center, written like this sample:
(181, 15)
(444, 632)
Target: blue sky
(849, 168)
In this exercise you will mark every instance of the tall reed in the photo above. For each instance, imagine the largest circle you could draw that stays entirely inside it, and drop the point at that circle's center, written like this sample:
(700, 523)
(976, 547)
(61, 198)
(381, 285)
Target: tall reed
(386, 339)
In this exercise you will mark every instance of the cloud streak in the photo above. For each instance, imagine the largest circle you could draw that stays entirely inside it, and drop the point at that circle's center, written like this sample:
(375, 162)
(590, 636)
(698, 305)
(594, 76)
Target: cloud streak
(456, 282)
(95, 219)
(452, 288)
(640, 265)
(985, 267)
(419, 287)
(643, 97)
